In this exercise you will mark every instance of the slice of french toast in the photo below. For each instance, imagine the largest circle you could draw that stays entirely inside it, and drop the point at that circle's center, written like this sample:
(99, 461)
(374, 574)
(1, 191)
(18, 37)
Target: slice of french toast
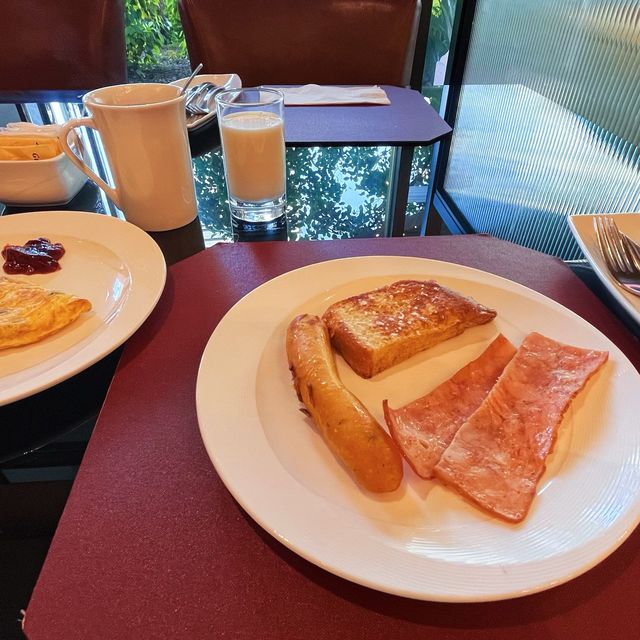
(378, 329)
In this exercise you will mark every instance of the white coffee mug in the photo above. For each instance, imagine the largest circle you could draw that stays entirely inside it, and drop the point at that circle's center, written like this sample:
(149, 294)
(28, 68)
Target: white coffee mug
(144, 133)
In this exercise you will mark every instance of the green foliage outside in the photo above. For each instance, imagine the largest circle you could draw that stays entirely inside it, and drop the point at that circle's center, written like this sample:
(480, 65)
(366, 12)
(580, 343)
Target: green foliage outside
(152, 28)
(442, 15)
(440, 29)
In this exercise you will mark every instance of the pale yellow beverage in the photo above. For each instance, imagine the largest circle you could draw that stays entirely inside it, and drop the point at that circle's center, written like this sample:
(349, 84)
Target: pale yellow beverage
(253, 146)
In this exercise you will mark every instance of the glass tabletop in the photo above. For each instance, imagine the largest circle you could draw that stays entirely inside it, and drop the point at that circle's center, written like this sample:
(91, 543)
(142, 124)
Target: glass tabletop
(338, 191)
(332, 192)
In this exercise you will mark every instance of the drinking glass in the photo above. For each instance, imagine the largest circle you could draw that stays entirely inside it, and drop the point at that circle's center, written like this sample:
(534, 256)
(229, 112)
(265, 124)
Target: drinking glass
(251, 125)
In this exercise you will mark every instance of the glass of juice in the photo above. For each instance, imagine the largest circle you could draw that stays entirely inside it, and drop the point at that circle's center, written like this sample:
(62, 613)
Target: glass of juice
(252, 133)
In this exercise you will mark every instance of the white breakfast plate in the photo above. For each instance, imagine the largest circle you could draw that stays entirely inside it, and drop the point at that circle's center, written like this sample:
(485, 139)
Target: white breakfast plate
(112, 263)
(422, 541)
(584, 233)
(226, 80)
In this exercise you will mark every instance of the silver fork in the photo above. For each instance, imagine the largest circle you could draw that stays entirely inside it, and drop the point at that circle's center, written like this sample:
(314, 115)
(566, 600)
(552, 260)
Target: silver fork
(193, 101)
(202, 104)
(620, 255)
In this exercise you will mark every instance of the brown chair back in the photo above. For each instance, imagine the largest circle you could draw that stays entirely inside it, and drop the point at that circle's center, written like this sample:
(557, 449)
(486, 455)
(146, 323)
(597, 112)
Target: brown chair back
(61, 44)
(303, 41)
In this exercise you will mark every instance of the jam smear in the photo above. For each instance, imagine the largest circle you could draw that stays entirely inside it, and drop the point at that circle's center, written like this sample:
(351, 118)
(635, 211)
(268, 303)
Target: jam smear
(35, 256)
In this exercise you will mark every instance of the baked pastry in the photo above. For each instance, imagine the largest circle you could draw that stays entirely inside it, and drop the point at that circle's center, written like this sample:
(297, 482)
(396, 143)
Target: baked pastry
(378, 329)
(29, 313)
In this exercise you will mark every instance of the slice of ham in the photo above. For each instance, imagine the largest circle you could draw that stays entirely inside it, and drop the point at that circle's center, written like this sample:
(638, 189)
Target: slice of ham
(424, 428)
(498, 455)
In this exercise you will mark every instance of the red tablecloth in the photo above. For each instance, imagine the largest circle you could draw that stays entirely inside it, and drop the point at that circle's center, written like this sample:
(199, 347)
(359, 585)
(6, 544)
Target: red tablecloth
(152, 545)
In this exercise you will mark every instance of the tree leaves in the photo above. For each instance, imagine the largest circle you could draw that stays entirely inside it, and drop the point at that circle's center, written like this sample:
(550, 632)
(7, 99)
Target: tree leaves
(150, 27)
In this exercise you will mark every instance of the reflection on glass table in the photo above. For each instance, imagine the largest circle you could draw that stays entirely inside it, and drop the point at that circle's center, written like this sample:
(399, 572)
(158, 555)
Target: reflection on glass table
(332, 192)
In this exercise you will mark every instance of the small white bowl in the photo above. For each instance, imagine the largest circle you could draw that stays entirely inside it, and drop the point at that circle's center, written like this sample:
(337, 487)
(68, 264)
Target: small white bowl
(39, 182)
(226, 80)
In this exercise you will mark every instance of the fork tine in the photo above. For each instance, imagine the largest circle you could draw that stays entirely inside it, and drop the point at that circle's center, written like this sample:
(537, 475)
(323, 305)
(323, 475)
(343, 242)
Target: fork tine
(192, 104)
(604, 244)
(620, 255)
(615, 242)
(628, 253)
(633, 249)
(194, 110)
(601, 245)
(605, 225)
(632, 254)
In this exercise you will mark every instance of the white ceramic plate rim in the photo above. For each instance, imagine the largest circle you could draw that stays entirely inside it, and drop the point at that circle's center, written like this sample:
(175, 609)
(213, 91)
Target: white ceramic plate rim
(139, 253)
(324, 533)
(582, 229)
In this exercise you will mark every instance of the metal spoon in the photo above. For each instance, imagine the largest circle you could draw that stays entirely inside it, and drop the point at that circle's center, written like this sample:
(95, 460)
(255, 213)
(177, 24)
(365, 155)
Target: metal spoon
(185, 86)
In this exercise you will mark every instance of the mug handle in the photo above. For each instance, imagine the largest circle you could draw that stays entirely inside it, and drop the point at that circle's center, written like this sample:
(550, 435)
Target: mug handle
(64, 143)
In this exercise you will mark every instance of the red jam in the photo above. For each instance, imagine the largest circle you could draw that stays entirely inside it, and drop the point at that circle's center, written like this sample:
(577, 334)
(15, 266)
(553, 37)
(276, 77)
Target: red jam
(35, 256)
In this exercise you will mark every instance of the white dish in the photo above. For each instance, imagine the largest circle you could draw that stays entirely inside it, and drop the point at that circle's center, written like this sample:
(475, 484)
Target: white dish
(112, 263)
(226, 80)
(583, 231)
(37, 182)
(422, 541)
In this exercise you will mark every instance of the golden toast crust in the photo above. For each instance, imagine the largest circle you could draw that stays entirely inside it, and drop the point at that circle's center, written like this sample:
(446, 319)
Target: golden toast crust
(378, 329)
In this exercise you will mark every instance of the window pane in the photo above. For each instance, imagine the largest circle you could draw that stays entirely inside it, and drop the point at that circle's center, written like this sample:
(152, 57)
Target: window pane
(435, 66)
(547, 122)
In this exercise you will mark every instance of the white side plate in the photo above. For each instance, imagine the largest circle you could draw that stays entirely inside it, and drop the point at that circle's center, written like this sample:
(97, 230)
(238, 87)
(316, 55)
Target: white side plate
(582, 228)
(112, 263)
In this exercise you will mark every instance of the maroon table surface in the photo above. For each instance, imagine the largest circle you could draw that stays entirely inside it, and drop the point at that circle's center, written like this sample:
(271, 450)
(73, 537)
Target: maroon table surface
(152, 545)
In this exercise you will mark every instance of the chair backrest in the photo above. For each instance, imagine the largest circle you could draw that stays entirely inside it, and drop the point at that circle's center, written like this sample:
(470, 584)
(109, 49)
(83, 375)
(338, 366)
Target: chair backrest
(304, 41)
(66, 44)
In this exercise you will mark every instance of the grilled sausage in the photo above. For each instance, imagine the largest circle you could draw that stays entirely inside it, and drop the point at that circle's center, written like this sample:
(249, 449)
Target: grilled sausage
(347, 427)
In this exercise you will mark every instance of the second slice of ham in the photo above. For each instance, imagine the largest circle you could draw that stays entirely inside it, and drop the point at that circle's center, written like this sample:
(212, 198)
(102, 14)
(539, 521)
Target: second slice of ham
(424, 428)
(498, 455)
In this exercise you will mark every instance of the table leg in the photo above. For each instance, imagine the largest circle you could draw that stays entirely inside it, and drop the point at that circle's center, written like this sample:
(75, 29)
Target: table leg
(431, 221)
(22, 112)
(399, 190)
